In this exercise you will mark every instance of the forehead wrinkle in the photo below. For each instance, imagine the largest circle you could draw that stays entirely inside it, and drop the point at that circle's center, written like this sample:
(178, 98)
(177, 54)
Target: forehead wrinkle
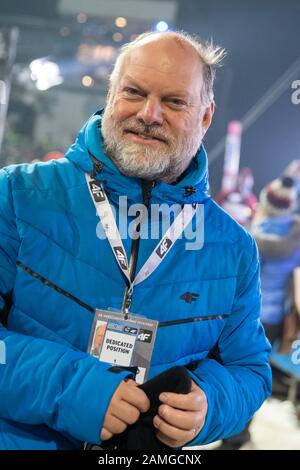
(165, 66)
(156, 68)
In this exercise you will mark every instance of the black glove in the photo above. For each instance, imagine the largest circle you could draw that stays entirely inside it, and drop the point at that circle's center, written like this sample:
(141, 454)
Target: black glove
(141, 435)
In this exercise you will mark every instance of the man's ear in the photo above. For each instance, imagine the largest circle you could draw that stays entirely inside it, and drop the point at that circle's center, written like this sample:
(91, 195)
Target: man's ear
(207, 118)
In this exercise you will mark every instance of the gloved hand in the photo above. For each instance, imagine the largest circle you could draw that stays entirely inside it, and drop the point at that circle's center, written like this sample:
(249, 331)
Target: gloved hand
(142, 434)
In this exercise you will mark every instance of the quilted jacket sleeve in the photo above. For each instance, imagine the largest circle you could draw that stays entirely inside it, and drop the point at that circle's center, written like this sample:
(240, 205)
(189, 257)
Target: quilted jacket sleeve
(238, 379)
(43, 382)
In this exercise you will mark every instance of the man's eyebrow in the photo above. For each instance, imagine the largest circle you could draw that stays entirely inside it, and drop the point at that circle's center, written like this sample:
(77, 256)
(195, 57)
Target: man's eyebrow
(132, 82)
(167, 94)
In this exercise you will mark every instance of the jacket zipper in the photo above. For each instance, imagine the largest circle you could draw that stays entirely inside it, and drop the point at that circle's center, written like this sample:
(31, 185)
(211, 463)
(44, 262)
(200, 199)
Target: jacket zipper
(72, 297)
(192, 320)
(58, 289)
(146, 189)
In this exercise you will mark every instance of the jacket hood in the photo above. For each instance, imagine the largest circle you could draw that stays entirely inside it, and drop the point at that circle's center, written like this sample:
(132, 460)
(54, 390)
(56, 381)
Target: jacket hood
(193, 188)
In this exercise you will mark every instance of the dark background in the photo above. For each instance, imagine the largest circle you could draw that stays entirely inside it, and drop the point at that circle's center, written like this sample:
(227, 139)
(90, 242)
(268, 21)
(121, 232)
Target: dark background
(262, 40)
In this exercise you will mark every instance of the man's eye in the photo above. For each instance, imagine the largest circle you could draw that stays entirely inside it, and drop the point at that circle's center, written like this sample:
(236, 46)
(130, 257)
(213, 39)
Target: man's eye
(132, 91)
(176, 102)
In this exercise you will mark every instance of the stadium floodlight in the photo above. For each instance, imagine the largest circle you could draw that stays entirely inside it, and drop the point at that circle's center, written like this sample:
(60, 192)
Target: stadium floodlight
(45, 73)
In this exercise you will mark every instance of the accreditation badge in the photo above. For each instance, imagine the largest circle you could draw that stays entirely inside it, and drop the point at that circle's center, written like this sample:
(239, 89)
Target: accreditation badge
(120, 342)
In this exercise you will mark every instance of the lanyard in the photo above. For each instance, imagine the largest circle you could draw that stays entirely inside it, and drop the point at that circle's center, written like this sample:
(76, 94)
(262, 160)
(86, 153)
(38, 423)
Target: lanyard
(110, 228)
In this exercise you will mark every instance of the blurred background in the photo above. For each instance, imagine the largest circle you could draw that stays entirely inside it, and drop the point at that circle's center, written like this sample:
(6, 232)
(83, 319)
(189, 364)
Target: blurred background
(55, 58)
(62, 51)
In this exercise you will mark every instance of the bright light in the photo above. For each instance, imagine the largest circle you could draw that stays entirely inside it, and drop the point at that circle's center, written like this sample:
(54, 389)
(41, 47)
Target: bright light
(45, 73)
(162, 26)
(87, 81)
(120, 22)
(117, 37)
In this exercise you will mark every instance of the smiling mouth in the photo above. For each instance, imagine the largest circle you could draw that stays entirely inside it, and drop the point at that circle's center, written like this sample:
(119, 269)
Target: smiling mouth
(144, 136)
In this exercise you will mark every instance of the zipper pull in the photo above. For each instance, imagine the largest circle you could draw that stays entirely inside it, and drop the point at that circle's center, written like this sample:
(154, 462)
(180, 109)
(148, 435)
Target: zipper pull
(98, 166)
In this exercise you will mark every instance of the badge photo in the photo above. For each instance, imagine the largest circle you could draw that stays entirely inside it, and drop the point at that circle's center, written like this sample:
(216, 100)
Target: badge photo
(98, 338)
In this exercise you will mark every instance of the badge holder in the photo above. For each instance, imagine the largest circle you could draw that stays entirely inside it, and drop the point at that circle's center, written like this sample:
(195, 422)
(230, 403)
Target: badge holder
(123, 342)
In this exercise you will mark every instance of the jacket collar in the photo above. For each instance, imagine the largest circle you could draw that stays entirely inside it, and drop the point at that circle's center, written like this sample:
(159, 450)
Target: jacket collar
(192, 188)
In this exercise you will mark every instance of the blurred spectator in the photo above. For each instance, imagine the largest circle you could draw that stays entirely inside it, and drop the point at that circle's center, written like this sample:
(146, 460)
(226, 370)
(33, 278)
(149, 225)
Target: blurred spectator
(277, 234)
(293, 170)
(240, 203)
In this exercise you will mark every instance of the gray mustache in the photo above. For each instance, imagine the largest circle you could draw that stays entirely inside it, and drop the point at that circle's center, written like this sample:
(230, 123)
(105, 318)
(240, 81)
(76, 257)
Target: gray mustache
(148, 131)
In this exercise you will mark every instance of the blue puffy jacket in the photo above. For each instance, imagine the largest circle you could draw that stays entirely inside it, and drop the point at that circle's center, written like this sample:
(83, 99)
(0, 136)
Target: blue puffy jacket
(54, 271)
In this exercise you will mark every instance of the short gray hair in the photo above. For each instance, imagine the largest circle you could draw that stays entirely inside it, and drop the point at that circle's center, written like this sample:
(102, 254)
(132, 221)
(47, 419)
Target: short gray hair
(211, 56)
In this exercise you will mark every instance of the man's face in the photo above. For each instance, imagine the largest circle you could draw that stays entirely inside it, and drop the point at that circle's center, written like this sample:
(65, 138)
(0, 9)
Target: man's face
(100, 332)
(154, 121)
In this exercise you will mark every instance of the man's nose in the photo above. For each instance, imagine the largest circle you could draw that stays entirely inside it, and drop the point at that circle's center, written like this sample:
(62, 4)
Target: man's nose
(150, 113)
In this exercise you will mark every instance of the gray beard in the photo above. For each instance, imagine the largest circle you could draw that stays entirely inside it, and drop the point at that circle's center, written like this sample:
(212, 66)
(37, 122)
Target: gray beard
(142, 161)
(130, 163)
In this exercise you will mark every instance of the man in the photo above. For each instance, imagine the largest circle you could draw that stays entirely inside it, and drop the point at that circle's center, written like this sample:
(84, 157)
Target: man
(98, 339)
(55, 270)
